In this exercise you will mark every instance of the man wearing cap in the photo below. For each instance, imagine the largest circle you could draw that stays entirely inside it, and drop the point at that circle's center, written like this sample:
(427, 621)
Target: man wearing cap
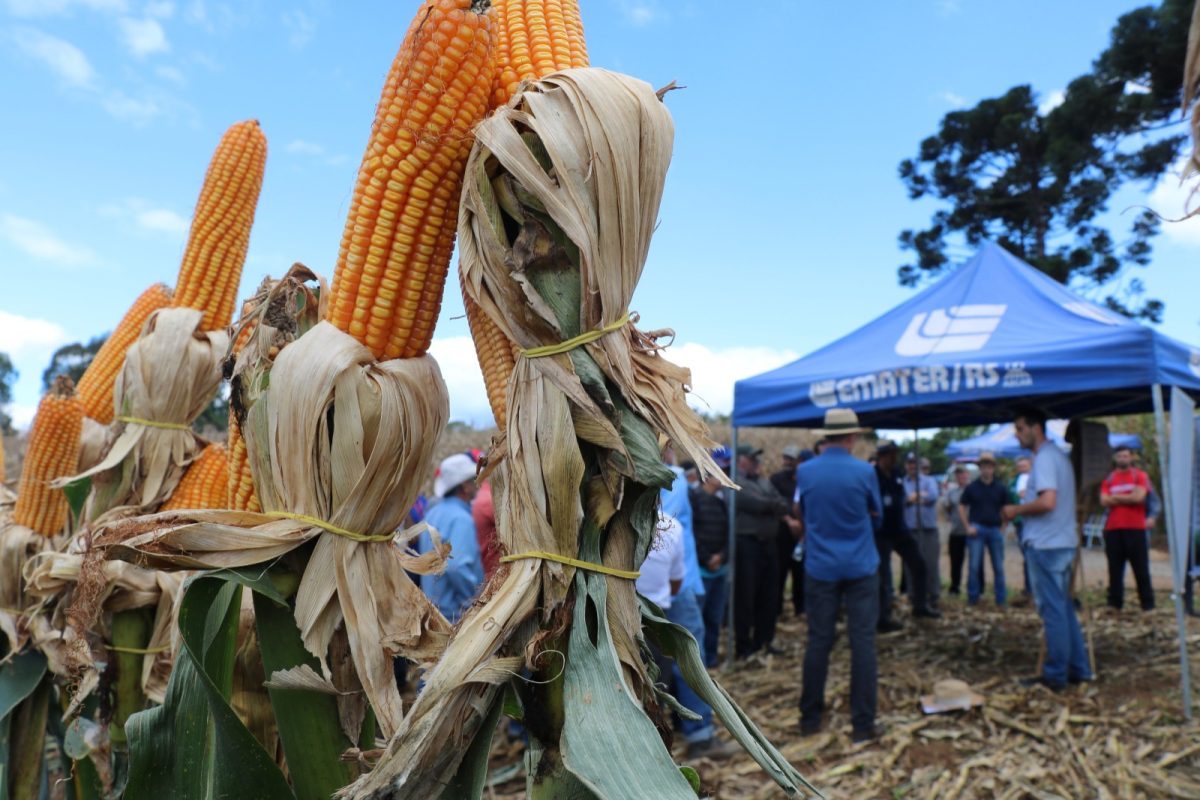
(979, 511)
(920, 515)
(759, 509)
(784, 482)
(893, 537)
(841, 509)
(1050, 542)
(1124, 493)
(949, 503)
(454, 590)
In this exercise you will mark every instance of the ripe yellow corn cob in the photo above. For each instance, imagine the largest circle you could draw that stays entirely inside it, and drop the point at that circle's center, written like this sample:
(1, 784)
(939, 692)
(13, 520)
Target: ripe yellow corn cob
(240, 493)
(203, 485)
(220, 234)
(399, 235)
(95, 389)
(533, 39)
(496, 354)
(53, 453)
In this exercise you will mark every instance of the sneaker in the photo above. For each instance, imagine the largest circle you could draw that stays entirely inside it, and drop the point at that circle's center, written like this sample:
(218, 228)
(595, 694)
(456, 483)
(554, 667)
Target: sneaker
(772, 650)
(712, 748)
(1075, 681)
(810, 728)
(869, 735)
(889, 626)
(927, 613)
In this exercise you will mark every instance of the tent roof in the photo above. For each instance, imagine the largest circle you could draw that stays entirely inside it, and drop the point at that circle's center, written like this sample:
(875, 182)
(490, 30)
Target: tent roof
(991, 334)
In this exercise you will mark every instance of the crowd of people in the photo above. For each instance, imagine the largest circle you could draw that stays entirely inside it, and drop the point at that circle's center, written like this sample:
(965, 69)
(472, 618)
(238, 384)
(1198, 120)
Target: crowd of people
(831, 522)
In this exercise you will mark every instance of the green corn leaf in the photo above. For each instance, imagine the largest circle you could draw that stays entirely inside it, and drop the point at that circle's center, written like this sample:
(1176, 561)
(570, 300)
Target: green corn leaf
(194, 746)
(472, 774)
(677, 643)
(308, 721)
(19, 677)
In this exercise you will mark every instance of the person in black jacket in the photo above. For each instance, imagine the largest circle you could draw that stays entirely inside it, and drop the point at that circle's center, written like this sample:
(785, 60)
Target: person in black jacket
(710, 526)
(784, 482)
(759, 509)
(894, 536)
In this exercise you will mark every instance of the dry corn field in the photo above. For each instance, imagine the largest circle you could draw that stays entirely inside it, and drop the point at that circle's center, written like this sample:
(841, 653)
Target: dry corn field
(1120, 737)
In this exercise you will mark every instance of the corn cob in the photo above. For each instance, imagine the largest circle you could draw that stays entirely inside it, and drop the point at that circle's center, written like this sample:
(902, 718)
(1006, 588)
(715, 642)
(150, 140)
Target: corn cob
(95, 389)
(496, 355)
(220, 234)
(240, 492)
(533, 39)
(399, 235)
(203, 485)
(53, 453)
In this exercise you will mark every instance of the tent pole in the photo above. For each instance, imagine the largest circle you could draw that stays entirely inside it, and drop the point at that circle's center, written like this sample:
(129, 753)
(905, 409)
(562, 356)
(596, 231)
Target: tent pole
(731, 550)
(1185, 678)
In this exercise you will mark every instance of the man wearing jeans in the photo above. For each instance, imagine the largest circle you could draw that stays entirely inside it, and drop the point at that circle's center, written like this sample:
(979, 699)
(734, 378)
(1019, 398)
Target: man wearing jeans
(979, 511)
(840, 506)
(1049, 543)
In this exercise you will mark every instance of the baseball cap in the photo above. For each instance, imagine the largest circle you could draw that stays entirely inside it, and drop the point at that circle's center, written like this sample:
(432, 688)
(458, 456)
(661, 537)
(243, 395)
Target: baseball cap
(792, 452)
(749, 450)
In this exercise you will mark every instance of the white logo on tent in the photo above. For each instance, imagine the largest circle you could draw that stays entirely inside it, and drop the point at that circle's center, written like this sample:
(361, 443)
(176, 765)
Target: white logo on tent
(958, 329)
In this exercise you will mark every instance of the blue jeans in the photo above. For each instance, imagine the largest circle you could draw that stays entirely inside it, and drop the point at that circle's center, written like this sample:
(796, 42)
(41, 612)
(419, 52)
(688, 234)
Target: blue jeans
(991, 538)
(716, 594)
(821, 602)
(685, 612)
(1066, 653)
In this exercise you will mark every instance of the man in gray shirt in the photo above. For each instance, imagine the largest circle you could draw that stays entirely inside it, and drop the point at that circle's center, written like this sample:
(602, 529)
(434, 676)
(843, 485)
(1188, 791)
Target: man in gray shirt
(1049, 540)
(920, 515)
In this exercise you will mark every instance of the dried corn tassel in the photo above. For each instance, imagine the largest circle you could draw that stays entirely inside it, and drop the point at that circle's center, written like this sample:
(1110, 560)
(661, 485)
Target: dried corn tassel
(399, 235)
(53, 453)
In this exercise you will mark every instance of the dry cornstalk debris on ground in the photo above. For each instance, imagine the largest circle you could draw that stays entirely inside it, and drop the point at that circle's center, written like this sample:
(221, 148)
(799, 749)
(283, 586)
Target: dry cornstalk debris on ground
(1121, 737)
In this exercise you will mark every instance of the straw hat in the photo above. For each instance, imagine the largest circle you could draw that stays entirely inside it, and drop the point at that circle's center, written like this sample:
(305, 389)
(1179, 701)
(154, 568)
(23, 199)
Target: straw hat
(950, 695)
(987, 458)
(841, 421)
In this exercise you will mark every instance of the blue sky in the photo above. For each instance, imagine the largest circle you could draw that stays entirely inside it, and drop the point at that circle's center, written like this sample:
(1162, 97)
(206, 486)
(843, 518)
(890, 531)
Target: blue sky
(779, 222)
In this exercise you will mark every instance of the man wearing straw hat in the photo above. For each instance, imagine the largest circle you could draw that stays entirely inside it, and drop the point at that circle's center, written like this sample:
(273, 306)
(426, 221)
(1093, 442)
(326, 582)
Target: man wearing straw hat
(840, 506)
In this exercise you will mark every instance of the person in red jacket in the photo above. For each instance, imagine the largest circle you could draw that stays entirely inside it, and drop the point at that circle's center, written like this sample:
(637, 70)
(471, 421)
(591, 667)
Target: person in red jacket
(1123, 493)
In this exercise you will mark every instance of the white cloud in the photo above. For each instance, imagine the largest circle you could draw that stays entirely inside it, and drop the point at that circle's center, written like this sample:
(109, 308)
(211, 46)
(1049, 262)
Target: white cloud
(1172, 198)
(21, 335)
(145, 215)
(22, 415)
(143, 37)
(455, 356)
(953, 100)
(300, 27)
(63, 58)
(171, 74)
(50, 8)
(132, 109)
(714, 370)
(302, 147)
(949, 7)
(37, 240)
(162, 9)
(1051, 101)
(641, 13)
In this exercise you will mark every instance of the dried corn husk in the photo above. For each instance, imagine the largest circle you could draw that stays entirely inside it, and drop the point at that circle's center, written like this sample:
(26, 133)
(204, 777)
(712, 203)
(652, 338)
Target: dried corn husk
(348, 441)
(170, 375)
(577, 162)
(18, 545)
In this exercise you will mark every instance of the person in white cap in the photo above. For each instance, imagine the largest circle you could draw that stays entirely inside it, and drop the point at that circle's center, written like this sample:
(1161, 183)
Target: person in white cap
(454, 590)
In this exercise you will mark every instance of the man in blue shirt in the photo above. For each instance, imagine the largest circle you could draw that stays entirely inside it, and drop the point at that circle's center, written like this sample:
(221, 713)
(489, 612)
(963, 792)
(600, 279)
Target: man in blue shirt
(454, 590)
(841, 509)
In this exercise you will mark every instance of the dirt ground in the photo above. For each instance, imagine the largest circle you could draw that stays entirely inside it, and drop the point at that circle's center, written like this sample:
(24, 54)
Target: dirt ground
(1121, 737)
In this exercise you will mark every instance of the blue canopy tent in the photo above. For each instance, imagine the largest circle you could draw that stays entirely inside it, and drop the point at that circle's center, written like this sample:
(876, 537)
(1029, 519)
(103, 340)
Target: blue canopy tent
(1001, 441)
(991, 334)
